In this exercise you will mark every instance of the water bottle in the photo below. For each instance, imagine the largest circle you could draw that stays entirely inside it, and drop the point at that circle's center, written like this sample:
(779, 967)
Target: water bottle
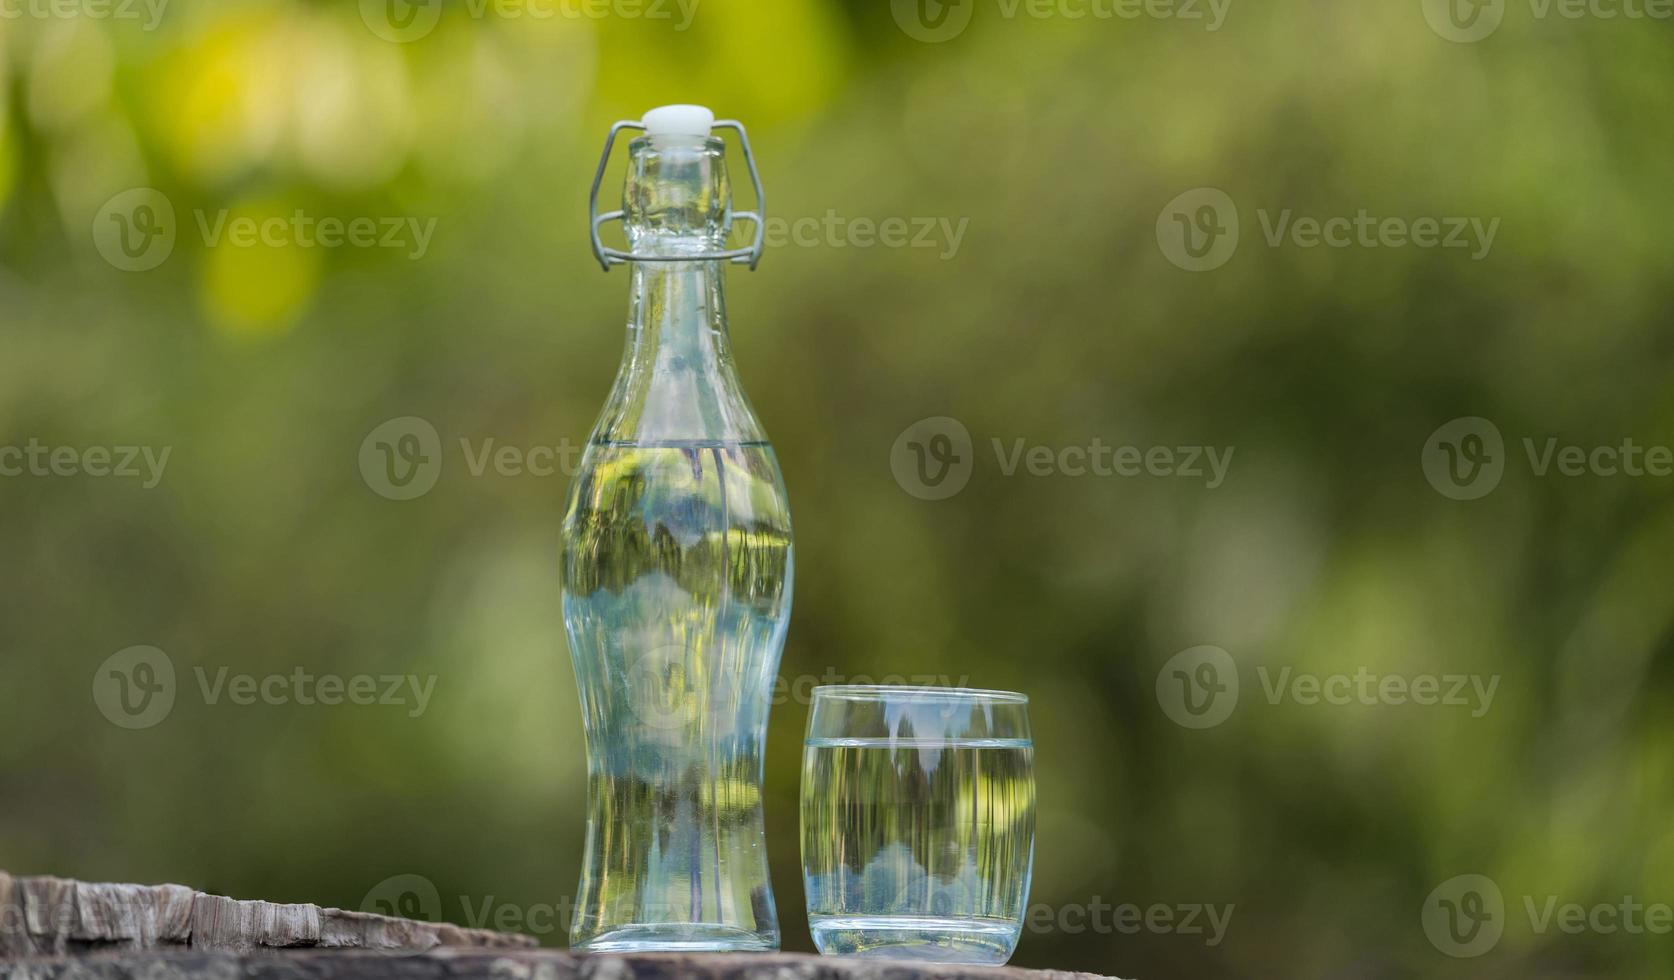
(677, 574)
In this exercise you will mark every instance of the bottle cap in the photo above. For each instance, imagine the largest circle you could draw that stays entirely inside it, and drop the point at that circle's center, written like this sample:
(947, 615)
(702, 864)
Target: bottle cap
(679, 123)
(678, 120)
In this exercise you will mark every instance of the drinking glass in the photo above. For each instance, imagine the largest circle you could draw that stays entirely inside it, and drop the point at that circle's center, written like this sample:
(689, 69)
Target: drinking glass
(918, 822)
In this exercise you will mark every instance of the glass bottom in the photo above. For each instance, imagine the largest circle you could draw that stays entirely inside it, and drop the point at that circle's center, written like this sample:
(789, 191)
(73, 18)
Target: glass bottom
(917, 938)
(678, 937)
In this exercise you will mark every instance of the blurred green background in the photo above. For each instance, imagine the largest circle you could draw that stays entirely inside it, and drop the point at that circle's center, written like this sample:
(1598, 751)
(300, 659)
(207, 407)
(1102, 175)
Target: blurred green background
(1061, 317)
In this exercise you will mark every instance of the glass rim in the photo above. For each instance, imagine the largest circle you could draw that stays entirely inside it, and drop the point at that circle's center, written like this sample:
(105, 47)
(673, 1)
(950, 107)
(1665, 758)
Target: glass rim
(917, 692)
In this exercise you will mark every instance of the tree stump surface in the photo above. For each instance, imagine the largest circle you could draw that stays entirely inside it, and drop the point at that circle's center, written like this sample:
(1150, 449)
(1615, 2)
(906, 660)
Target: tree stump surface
(56, 929)
(479, 964)
(56, 917)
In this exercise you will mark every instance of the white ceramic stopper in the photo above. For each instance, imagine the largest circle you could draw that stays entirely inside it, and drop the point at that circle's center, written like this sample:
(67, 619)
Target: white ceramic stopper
(678, 120)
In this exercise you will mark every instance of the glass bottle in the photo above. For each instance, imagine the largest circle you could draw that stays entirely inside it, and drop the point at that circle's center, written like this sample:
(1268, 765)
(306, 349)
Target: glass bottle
(677, 576)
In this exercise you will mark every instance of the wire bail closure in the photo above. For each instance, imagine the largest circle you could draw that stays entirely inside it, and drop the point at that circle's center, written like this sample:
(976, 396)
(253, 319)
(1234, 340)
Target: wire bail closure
(608, 256)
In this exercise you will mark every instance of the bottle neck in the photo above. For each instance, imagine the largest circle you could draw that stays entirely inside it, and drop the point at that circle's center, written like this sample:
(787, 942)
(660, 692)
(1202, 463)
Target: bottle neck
(677, 383)
(677, 319)
(677, 201)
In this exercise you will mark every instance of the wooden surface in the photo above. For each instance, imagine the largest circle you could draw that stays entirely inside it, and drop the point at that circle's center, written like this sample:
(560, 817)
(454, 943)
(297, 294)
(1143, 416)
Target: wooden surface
(53, 929)
(55, 917)
(469, 964)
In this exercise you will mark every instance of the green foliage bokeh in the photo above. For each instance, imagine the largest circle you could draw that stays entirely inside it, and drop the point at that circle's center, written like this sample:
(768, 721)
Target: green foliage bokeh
(1054, 143)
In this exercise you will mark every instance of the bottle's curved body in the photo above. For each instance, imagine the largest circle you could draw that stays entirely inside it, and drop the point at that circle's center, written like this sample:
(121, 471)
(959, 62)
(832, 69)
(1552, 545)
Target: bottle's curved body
(677, 581)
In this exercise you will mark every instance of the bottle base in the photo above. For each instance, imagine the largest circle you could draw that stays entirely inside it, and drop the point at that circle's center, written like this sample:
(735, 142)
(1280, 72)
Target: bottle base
(916, 938)
(677, 937)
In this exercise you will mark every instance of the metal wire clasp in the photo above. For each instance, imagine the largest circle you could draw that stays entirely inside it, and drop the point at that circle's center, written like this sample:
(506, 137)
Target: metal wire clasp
(608, 257)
